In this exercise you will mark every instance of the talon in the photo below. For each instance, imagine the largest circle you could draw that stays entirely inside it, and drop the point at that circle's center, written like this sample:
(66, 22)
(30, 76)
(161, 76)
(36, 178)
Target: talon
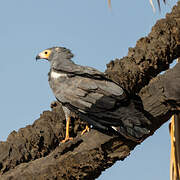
(67, 139)
(87, 129)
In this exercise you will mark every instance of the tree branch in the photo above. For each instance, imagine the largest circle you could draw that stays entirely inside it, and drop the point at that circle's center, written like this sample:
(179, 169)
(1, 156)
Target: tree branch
(150, 56)
(34, 151)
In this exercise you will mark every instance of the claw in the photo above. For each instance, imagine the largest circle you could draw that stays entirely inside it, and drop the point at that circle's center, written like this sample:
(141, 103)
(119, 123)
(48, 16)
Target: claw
(87, 129)
(66, 139)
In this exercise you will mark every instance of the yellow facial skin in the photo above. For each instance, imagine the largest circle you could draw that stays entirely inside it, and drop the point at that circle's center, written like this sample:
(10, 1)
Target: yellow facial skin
(44, 54)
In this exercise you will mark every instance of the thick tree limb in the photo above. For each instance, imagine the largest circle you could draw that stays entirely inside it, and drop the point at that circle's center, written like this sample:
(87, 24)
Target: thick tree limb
(150, 56)
(86, 156)
(33, 152)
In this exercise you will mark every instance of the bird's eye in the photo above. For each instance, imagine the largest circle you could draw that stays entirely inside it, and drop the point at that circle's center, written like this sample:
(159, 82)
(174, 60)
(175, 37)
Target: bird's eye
(45, 52)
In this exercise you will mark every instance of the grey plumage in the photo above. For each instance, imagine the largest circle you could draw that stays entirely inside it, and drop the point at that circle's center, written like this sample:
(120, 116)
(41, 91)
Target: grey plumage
(96, 99)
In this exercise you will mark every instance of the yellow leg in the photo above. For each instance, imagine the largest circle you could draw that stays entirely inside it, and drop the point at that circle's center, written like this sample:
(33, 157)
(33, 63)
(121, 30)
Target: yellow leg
(85, 130)
(67, 131)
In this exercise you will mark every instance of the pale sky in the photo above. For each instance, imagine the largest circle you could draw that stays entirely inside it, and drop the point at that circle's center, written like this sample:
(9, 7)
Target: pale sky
(96, 35)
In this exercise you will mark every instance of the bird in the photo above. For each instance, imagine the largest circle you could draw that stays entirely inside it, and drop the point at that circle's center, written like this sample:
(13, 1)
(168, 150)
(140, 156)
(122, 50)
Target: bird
(97, 100)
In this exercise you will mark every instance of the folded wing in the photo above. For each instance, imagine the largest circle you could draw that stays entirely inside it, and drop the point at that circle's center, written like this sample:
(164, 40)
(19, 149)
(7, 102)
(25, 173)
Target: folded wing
(103, 104)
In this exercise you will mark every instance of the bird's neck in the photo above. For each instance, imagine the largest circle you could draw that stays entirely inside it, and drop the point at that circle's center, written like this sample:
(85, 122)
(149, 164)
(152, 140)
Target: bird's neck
(59, 65)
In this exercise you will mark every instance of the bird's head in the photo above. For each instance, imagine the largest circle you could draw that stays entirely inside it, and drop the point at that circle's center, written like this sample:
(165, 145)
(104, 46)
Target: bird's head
(46, 54)
(53, 53)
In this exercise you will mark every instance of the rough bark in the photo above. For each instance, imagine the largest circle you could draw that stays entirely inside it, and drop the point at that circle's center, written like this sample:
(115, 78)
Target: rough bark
(151, 55)
(34, 151)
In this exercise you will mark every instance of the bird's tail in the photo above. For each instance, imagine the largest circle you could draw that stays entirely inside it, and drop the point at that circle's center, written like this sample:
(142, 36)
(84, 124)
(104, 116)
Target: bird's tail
(135, 134)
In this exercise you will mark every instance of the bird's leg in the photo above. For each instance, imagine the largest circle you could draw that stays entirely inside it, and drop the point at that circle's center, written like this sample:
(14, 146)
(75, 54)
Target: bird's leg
(67, 131)
(85, 130)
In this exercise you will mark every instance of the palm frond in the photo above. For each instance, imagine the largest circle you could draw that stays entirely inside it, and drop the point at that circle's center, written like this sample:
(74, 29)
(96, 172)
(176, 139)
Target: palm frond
(159, 5)
(158, 1)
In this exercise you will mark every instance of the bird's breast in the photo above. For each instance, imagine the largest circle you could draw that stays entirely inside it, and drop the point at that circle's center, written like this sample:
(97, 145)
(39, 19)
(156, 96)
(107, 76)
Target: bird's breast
(56, 75)
(57, 81)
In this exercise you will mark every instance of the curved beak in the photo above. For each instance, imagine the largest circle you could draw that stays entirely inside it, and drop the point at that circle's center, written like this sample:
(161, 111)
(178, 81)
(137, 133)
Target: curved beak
(38, 57)
(42, 55)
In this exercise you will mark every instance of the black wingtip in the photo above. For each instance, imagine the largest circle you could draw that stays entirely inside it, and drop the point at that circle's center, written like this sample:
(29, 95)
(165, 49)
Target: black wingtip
(135, 134)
